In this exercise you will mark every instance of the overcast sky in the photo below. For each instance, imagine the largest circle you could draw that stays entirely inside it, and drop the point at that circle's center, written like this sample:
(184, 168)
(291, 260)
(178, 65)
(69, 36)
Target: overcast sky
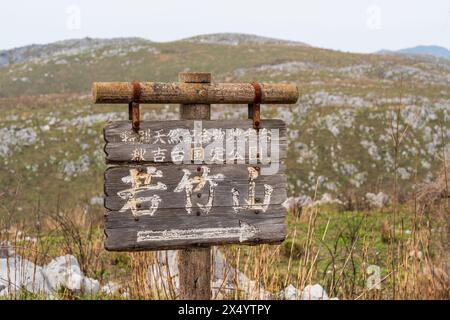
(348, 25)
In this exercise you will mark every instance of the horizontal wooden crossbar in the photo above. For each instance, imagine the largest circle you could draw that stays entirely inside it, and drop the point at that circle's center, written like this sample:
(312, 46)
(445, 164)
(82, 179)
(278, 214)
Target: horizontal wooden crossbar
(193, 93)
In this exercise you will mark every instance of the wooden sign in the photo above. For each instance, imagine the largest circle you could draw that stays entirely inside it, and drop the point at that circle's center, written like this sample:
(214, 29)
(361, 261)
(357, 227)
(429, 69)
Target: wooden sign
(177, 184)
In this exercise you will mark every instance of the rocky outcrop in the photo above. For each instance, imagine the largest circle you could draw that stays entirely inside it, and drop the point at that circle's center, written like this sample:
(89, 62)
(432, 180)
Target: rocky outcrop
(378, 200)
(18, 274)
(239, 38)
(310, 292)
(303, 201)
(65, 272)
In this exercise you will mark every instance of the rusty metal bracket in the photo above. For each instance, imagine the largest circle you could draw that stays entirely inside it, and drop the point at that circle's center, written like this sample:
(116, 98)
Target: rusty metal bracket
(254, 109)
(133, 106)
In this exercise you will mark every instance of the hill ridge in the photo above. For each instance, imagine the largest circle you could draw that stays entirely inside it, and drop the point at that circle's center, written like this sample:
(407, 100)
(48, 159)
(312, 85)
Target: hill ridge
(235, 38)
(421, 50)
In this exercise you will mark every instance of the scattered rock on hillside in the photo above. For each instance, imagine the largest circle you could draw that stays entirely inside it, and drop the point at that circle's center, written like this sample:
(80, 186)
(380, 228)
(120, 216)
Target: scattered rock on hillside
(378, 200)
(314, 292)
(18, 274)
(310, 292)
(14, 139)
(239, 38)
(65, 272)
(290, 293)
(327, 199)
(303, 201)
(97, 200)
(225, 277)
(111, 288)
(66, 48)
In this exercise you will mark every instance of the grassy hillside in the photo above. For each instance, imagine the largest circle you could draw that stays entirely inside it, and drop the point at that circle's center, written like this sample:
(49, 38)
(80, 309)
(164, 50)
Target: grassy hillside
(363, 123)
(340, 131)
(73, 70)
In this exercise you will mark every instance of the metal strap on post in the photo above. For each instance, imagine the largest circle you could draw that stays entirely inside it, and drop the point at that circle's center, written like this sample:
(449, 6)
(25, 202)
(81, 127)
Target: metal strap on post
(133, 107)
(254, 109)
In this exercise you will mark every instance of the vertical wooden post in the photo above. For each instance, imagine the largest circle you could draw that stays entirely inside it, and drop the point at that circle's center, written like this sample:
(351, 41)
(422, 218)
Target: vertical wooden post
(194, 265)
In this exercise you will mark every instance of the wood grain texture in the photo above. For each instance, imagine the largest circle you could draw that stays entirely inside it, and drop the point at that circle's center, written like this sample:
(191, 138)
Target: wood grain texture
(122, 231)
(234, 177)
(194, 264)
(222, 225)
(156, 137)
(192, 93)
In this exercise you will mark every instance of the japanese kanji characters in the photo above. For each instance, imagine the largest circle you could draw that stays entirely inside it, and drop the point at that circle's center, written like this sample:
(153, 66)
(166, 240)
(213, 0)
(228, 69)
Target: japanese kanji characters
(205, 146)
(251, 202)
(159, 137)
(141, 202)
(202, 147)
(187, 184)
(159, 155)
(141, 181)
(138, 154)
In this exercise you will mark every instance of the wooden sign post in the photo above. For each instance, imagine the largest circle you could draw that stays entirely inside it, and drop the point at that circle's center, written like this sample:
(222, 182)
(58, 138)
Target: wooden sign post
(194, 264)
(192, 183)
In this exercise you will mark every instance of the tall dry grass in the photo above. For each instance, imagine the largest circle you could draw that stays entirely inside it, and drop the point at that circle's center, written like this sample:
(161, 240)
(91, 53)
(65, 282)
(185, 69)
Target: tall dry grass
(420, 269)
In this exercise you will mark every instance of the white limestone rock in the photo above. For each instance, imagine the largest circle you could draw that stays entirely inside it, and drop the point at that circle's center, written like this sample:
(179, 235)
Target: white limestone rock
(65, 272)
(290, 293)
(18, 274)
(163, 274)
(314, 292)
(378, 200)
(111, 288)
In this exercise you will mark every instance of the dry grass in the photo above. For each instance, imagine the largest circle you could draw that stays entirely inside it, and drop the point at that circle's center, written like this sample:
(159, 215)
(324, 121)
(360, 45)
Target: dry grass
(414, 264)
(421, 260)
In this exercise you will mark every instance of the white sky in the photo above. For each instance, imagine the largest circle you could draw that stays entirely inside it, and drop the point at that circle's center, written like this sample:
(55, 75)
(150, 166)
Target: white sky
(348, 25)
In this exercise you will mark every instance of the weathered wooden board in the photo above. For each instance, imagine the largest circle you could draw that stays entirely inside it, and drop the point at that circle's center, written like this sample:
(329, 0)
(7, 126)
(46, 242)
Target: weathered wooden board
(163, 141)
(166, 182)
(158, 233)
(156, 205)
